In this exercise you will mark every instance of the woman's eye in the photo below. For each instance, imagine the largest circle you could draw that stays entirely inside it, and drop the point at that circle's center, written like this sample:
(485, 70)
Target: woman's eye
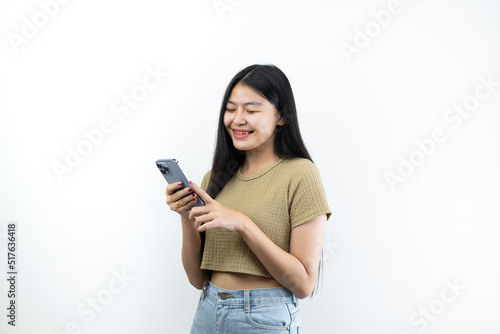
(251, 111)
(230, 110)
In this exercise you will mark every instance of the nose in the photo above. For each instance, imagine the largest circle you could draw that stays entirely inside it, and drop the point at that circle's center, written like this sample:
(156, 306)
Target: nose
(239, 116)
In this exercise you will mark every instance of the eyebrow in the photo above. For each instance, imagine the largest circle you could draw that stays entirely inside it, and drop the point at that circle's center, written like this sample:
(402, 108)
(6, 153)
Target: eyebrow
(253, 103)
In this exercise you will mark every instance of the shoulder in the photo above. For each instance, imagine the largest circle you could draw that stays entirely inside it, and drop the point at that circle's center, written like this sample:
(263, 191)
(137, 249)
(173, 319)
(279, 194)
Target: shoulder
(207, 174)
(294, 162)
(306, 193)
(301, 167)
(206, 178)
(303, 174)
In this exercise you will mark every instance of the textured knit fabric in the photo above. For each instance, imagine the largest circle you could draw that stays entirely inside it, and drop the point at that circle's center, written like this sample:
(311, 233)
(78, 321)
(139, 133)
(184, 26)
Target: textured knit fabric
(277, 199)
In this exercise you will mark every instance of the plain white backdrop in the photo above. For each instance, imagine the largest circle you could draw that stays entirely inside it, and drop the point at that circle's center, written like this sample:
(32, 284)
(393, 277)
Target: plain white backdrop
(407, 91)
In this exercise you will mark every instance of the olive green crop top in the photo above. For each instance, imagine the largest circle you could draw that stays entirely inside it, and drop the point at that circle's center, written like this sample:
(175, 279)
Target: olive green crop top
(277, 199)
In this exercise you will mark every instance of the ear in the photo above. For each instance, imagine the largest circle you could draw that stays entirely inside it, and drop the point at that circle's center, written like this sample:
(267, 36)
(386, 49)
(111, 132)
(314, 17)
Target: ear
(281, 120)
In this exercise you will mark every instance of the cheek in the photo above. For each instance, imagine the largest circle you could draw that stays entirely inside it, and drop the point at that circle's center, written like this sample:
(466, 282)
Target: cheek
(268, 126)
(228, 119)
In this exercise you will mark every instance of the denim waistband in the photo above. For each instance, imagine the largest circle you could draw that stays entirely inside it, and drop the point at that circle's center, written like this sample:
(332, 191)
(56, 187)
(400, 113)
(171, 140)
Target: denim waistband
(249, 296)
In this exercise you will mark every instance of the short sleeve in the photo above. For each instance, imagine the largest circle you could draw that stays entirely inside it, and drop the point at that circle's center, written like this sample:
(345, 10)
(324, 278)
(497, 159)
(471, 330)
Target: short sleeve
(204, 182)
(307, 197)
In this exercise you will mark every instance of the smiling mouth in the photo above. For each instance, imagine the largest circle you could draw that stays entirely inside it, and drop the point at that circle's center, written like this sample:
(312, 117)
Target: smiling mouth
(242, 133)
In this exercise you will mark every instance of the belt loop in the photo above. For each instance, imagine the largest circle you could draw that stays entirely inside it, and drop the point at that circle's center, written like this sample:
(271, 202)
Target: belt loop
(295, 300)
(247, 301)
(204, 291)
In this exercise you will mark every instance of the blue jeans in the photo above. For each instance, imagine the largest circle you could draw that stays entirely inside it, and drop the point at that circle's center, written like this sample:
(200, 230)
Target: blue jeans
(254, 311)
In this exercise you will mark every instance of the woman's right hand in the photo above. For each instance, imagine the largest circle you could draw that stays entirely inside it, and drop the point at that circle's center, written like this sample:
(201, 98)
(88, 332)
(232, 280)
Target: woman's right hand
(182, 200)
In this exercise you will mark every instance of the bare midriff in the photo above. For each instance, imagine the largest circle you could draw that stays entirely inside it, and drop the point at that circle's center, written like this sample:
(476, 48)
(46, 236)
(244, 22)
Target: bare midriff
(238, 281)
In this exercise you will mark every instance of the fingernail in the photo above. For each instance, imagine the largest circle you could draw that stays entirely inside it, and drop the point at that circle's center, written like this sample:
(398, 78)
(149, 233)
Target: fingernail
(190, 182)
(189, 189)
(179, 183)
(193, 194)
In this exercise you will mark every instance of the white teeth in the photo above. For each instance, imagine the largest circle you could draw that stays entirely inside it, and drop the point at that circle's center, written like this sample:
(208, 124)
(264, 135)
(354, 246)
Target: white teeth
(241, 133)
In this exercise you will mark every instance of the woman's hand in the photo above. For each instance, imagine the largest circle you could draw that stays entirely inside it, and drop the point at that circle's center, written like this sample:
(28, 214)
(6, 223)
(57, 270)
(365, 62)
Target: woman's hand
(180, 201)
(214, 214)
(296, 270)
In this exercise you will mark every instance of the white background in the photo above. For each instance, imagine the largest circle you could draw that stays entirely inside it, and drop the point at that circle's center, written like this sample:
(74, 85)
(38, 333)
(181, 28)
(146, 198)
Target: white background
(390, 254)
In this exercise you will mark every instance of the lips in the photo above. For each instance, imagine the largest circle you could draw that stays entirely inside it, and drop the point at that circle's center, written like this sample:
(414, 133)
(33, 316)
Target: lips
(241, 133)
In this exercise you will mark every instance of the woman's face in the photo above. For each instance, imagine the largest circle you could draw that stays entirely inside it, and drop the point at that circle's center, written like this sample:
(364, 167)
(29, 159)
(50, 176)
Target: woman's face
(251, 120)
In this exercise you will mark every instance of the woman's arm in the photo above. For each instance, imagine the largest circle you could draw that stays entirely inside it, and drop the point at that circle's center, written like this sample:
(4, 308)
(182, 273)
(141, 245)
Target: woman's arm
(191, 241)
(297, 270)
(191, 253)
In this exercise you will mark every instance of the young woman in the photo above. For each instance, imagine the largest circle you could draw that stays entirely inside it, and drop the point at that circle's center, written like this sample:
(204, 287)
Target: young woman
(255, 247)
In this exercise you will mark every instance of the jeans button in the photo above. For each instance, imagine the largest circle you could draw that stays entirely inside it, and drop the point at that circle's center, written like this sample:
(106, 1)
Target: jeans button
(223, 296)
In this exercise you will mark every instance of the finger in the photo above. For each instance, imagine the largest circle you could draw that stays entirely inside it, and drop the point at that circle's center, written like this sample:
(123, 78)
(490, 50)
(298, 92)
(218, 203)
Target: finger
(202, 220)
(183, 201)
(177, 195)
(202, 193)
(186, 203)
(189, 200)
(198, 211)
(179, 199)
(206, 226)
(173, 187)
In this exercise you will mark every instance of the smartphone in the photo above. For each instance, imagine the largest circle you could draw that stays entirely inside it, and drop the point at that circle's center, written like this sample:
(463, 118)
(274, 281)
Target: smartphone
(173, 172)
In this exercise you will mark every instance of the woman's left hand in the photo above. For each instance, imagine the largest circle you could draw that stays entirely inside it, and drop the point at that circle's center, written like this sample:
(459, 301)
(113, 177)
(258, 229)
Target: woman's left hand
(214, 214)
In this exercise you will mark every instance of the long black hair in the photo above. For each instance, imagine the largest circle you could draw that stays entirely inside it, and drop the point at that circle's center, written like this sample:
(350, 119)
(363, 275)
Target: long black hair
(272, 84)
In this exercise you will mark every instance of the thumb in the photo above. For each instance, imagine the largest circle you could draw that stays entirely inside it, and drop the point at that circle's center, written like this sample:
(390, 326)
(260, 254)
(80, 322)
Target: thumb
(200, 192)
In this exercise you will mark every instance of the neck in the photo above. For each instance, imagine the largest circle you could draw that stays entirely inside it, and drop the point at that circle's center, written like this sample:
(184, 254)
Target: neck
(256, 162)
